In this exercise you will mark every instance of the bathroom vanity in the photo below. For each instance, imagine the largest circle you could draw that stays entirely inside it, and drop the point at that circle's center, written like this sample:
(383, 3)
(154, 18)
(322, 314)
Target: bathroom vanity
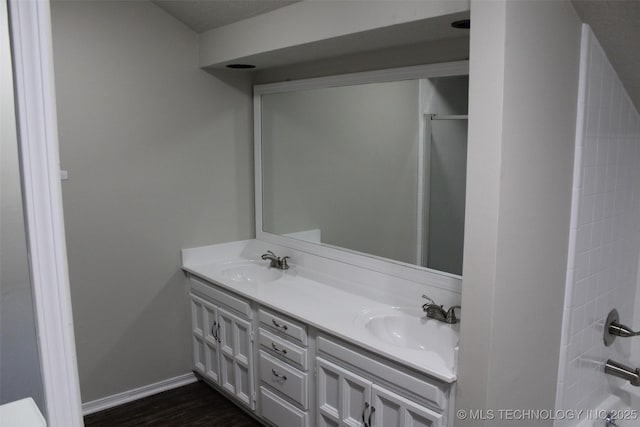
(319, 321)
(305, 347)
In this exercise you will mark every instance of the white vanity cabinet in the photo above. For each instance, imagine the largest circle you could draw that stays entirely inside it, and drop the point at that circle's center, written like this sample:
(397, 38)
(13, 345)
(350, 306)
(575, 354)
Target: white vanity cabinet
(283, 370)
(352, 391)
(223, 340)
(290, 374)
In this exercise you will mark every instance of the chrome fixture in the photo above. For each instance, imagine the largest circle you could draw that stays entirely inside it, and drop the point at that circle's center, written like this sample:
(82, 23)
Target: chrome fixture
(613, 329)
(622, 330)
(622, 371)
(276, 261)
(435, 311)
(610, 420)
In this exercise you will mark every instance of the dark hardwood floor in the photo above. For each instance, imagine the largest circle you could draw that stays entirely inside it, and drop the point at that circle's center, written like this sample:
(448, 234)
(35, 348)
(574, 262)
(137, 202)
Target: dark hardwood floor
(195, 404)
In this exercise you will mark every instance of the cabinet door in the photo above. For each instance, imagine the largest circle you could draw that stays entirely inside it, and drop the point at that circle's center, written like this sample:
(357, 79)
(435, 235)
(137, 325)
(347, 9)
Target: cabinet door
(204, 317)
(197, 322)
(343, 397)
(236, 374)
(392, 410)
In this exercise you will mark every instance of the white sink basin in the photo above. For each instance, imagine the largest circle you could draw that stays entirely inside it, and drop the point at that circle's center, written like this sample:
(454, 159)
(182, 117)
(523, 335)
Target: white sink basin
(250, 271)
(410, 328)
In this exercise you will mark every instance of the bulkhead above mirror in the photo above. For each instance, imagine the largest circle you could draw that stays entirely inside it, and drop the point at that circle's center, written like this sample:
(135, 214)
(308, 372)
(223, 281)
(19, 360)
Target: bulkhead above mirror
(374, 164)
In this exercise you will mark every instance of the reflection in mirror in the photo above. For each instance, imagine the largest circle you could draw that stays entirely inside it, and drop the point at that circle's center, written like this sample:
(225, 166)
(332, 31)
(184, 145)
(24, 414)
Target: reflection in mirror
(20, 375)
(376, 168)
(446, 185)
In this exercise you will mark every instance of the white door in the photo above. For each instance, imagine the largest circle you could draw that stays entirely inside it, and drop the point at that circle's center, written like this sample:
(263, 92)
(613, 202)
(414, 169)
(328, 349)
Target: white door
(236, 357)
(343, 397)
(392, 410)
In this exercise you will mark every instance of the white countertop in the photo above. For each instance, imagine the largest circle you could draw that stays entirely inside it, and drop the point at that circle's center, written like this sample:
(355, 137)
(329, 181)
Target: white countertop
(21, 413)
(320, 305)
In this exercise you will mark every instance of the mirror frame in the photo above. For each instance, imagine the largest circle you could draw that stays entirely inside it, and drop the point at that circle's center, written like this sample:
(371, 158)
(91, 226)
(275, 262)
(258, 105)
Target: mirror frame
(412, 272)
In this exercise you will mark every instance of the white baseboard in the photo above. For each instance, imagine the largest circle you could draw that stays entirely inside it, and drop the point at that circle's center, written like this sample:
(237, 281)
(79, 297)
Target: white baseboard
(137, 393)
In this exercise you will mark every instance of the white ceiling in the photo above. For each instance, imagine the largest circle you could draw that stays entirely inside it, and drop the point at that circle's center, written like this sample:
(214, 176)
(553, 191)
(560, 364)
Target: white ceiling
(616, 24)
(203, 15)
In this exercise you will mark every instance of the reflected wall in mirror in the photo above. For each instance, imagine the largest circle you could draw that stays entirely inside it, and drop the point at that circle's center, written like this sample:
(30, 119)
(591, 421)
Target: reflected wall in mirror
(376, 168)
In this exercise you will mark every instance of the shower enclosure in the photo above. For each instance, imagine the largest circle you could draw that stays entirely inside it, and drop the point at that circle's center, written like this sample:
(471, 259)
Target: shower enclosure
(604, 245)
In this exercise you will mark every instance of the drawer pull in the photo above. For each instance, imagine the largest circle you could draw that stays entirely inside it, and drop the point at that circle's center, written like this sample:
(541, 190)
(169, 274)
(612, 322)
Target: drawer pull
(278, 325)
(215, 330)
(366, 405)
(279, 375)
(279, 350)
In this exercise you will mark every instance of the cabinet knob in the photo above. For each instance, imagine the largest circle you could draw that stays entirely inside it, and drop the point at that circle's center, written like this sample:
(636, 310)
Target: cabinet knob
(371, 411)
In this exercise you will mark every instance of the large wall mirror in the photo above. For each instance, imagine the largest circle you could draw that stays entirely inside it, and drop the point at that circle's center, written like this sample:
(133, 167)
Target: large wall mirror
(369, 165)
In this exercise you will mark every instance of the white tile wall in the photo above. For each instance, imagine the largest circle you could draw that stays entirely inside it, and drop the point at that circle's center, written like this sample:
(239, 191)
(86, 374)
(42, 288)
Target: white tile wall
(605, 232)
(635, 345)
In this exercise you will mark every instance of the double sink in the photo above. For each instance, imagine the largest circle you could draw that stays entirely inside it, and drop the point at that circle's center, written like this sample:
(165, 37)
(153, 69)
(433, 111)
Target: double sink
(408, 328)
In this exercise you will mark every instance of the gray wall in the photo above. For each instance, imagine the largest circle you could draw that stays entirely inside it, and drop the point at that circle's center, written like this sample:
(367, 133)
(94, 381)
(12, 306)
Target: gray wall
(522, 112)
(159, 155)
(20, 374)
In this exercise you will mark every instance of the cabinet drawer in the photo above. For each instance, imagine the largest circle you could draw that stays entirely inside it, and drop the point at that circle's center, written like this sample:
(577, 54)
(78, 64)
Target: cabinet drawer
(290, 352)
(287, 380)
(284, 325)
(211, 291)
(279, 412)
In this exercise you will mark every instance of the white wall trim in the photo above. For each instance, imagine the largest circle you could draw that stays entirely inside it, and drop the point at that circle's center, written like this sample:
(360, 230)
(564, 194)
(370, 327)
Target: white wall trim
(30, 24)
(137, 393)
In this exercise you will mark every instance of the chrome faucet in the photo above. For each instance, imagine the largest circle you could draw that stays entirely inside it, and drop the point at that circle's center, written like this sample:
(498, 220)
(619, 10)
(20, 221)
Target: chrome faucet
(613, 328)
(276, 261)
(610, 420)
(622, 371)
(435, 311)
(623, 331)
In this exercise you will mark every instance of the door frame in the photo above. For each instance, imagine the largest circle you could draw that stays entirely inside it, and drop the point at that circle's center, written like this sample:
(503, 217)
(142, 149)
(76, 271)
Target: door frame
(30, 26)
